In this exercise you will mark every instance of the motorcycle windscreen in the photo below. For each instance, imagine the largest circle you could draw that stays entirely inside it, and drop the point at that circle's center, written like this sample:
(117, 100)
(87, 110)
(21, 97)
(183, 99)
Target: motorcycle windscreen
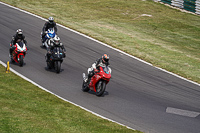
(106, 69)
(21, 44)
(51, 33)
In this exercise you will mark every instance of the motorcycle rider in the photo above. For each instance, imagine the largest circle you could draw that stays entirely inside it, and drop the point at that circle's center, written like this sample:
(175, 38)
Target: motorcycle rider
(103, 61)
(49, 24)
(18, 36)
(55, 42)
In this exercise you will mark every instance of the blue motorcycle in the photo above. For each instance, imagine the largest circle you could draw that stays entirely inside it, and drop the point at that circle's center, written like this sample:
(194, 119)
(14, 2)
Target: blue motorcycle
(50, 33)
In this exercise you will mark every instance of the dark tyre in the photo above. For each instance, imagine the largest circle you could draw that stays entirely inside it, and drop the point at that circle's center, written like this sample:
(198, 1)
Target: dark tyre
(57, 66)
(100, 88)
(21, 60)
(85, 87)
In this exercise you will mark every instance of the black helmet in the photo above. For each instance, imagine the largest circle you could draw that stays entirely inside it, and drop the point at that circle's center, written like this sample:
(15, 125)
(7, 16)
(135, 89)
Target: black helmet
(19, 33)
(105, 58)
(51, 20)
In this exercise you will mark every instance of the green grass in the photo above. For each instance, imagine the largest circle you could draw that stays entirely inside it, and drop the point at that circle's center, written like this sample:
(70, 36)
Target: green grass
(168, 38)
(27, 108)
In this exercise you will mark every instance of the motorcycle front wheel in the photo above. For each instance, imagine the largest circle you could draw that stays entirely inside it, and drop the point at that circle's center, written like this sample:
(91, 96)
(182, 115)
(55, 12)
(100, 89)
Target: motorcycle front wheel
(100, 88)
(57, 66)
(21, 61)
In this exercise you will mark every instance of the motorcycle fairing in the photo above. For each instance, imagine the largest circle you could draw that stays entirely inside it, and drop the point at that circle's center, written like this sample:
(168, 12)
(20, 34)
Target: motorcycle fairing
(20, 49)
(50, 33)
(103, 74)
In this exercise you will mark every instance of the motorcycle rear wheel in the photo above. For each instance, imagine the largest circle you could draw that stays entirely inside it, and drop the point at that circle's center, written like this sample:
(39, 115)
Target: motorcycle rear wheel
(100, 88)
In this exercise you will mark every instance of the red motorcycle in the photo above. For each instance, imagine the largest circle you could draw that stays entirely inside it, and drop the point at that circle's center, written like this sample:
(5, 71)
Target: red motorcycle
(19, 53)
(98, 81)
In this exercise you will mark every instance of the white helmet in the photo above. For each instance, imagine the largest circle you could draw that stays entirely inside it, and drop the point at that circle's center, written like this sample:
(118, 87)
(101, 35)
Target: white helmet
(19, 32)
(56, 40)
(51, 19)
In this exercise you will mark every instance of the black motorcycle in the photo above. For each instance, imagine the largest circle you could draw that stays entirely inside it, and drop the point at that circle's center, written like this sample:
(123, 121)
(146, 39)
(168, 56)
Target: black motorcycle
(56, 58)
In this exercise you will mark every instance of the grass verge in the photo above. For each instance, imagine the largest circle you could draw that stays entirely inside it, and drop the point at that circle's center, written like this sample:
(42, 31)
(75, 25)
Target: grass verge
(27, 108)
(165, 37)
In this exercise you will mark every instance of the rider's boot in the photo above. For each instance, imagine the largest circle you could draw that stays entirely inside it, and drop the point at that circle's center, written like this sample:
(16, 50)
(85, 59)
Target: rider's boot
(89, 76)
(47, 57)
(43, 40)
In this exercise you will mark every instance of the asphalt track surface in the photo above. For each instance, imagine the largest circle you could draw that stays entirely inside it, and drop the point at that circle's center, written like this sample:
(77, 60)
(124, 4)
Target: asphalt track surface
(137, 96)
